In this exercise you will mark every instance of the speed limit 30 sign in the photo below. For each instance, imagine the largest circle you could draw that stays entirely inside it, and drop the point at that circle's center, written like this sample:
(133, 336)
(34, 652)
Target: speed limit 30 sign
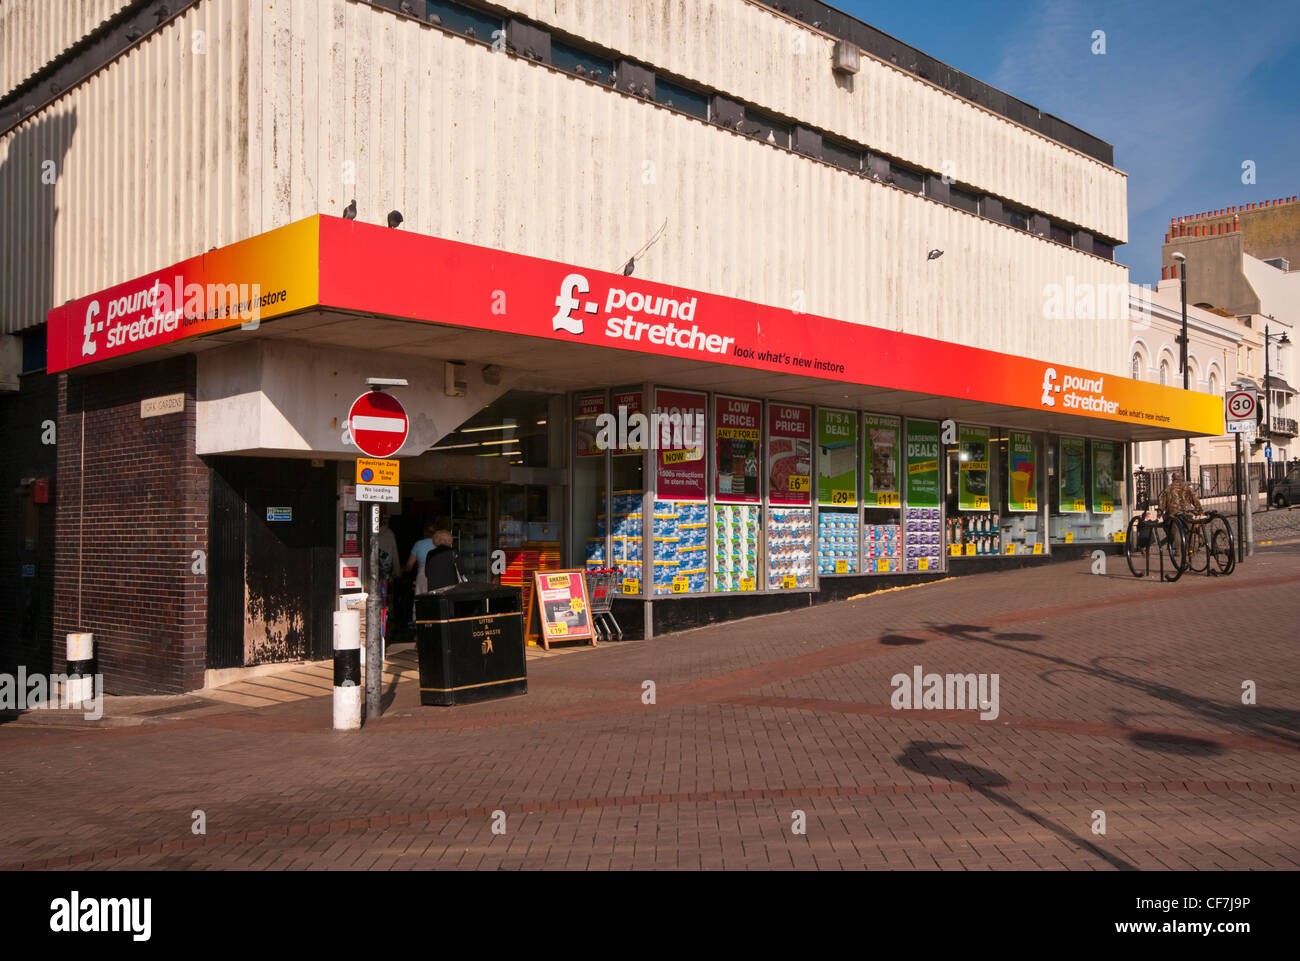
(1240, 406)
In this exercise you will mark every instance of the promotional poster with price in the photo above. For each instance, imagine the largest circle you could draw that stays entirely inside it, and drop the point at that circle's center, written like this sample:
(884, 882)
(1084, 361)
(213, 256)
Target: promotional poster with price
(789, 454)
(837, 458)
(881, 455)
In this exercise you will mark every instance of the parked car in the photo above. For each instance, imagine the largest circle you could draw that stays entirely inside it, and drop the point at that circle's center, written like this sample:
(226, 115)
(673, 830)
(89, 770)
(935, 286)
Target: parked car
(1287, 490)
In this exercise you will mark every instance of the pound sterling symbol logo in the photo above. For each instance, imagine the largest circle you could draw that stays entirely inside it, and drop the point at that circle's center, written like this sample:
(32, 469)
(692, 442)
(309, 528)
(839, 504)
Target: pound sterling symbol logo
(1049, 380)
(88, 346)
(567, 304)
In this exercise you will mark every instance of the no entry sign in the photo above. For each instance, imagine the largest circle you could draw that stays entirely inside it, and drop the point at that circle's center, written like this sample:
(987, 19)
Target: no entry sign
(378, 424)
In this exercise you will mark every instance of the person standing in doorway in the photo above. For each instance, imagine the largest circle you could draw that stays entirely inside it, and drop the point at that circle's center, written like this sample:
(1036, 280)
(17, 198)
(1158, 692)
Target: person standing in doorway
(440, 567)
(418, 554)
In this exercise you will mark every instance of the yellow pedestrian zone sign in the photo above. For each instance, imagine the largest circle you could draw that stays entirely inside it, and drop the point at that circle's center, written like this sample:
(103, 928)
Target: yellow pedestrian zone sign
(381, 473)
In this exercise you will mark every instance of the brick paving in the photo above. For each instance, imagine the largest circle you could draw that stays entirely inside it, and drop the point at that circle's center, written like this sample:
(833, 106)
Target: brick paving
(1115, 695)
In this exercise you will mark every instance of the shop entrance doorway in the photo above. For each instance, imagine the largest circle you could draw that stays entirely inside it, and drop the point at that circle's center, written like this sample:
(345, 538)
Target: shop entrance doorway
(482, 519)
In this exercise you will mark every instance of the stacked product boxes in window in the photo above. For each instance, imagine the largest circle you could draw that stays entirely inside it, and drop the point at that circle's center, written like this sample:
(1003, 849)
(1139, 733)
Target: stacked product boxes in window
(837, 543)
(627, 538)
(735, 547)
(924, 538)
(882, 548)
(681, 546)
(789, 547)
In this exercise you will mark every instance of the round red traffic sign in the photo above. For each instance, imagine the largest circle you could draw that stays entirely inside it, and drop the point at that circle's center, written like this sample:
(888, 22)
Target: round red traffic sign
(378, 424)
(1241, 405)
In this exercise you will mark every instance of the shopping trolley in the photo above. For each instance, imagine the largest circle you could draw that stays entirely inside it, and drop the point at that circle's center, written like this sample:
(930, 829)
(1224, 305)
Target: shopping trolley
(601, 588)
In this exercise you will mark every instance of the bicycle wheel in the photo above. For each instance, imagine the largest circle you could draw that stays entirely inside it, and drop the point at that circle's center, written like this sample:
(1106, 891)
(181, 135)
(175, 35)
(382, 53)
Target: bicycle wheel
(1223, 553)
(1175, 547)
(1134, 552)
(1198, 548)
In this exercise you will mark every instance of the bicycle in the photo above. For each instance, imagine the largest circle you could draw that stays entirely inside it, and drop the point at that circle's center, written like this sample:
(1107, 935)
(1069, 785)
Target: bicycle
(1148, 532)
(1210, 549)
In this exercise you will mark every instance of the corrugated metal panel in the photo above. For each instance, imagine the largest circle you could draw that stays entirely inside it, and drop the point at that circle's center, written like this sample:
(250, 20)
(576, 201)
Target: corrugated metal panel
(34, 32)
(151, 155)
(486, 148)
(757, 55)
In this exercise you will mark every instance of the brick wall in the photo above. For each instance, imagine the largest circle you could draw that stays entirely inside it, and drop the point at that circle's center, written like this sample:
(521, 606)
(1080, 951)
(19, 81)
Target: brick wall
(26, 604)
(123, 566)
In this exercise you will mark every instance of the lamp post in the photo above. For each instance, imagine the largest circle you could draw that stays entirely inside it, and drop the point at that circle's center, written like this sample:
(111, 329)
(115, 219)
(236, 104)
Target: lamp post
(1182, 359)
(1268, 414)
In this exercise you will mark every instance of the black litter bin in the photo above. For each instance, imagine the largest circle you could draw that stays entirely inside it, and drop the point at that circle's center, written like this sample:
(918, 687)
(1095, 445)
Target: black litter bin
(470, 639)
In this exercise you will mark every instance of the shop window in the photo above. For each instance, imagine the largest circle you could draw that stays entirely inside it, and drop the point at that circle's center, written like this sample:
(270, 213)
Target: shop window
(964, 200)
(974, 507)
(474, 24)
(515, 427)
(681, 98)
(841, 156)
(581, 62)
(907, 179)
(1085, 490)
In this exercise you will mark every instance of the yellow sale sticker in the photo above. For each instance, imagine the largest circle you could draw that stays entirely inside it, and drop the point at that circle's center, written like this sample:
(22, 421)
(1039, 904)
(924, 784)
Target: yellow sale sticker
(981, 503)
(681, 585)
(1011, 548)
(746, 583)
(845, 498)
(1038, 548)
(887, 499)
(1107, 507)
(970, 550)
(841, 567)
(1069, 537)
(1031, 504)
(1121, 537)
(557, 628)
(954, 550)
(882, 565)
(631, 585)
(1078, 507)
(923, 564)
(789, 582)
(800, 482)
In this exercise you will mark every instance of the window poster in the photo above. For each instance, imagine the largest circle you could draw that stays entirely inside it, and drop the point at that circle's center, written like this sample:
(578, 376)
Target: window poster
(627, 403)
(1103, 477)
(737, 437)
(880, 452)
(587, 408)
(973, 468)
(678, 425)
(837, 457)
(1022, 459)
(789, 454)
(1071, 476)
(922, 463)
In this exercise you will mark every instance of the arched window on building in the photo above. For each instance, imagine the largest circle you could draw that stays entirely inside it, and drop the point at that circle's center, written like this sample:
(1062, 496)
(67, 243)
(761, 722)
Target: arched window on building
(1136, 370)
(1164, 373)
(1214, 382)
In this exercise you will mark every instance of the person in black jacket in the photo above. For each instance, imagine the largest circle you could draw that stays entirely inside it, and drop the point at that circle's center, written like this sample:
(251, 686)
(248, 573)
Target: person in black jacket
(440, 567)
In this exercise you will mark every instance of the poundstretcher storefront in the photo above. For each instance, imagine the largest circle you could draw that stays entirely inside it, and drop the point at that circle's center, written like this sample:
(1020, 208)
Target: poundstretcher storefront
(727, 458)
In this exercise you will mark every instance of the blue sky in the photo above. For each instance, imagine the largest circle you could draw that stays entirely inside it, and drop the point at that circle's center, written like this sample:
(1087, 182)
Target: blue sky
(1185, 91)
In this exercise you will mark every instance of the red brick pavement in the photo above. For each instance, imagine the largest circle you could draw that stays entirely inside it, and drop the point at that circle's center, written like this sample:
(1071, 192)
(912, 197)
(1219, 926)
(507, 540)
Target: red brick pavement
(1115, 695)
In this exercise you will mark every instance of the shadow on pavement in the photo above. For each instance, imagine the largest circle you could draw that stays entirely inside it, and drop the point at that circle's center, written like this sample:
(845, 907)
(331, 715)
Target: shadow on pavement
(922, 757)
(1280, 723)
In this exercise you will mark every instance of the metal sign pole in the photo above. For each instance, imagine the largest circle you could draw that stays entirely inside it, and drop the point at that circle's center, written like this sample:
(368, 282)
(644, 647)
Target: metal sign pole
(374, 629)
(1237, 483)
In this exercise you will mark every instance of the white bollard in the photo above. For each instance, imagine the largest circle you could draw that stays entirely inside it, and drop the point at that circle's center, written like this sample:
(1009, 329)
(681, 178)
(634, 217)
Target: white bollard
(347, 670)
(81, 670)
